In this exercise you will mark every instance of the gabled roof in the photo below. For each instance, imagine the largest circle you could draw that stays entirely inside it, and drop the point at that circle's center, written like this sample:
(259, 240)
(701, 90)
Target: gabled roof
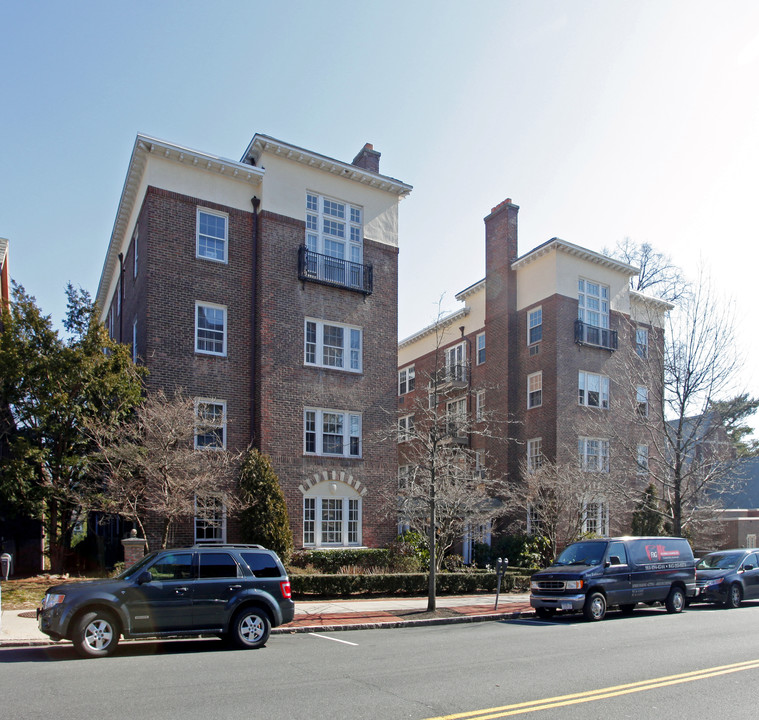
(263, 143)
(559, 245)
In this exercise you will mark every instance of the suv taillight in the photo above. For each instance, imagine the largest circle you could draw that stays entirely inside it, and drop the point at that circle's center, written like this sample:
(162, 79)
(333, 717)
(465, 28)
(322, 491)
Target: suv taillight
(285, 585)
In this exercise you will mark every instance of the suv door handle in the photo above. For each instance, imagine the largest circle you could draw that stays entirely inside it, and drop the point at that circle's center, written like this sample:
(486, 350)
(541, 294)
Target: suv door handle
(180, 590)
(235, 587)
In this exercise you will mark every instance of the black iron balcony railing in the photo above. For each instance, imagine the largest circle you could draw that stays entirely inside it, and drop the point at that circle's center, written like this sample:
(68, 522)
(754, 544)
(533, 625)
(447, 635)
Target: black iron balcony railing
(326, 270)
(593, 335)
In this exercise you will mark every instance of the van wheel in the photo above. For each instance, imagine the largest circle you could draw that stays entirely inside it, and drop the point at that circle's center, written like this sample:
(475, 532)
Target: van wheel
(675, 601)
(595, 607)
(734, 596)
(627, 608)
(545, 613)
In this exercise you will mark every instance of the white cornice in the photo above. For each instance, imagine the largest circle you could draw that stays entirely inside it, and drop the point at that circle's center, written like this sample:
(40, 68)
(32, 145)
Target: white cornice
(442, 323)
(264, 144)
(558, 245)
(471, 290)
(145, 147)
(3, 251)
(651, 301)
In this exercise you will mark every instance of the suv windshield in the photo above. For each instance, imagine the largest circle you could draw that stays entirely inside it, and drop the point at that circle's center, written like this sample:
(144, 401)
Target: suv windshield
(582, 553)
(720, 561)
(134, 570)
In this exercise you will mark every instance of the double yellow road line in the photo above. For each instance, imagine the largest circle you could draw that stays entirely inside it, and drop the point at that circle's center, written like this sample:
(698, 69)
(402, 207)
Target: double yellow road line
(601, 694)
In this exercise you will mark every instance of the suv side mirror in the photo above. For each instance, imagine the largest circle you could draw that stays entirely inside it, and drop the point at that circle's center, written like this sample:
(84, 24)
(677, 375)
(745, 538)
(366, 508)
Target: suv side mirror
(144, 577)
(748, 567)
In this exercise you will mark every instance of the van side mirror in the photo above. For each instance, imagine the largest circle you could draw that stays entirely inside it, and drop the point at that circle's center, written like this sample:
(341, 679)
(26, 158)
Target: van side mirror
(614, 560)
(144, 577)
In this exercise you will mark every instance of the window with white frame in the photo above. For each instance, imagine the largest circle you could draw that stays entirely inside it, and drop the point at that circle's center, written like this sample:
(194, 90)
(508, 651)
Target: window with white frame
(594, 454)
(535, 390)
(455, 363)
(135, 247)
(479, 405)
(534, 454)
(211, 235)
(535, 325)
(210, 329)
(534, 519)
(593, 390)
(641, 400)
(331, 432)
(406, 380)
(333, 345)
(595, 518)
(134, 341)
(210, 519)
(479, 466)
(593, 303)
(405, 428)
(641, 342)
(210, 424)
(642, 459)
(332, 516)
(456, 417)
(481, 348)
(334, 228)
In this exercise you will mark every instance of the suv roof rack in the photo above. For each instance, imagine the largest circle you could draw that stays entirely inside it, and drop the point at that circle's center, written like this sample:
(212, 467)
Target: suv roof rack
(227, 545)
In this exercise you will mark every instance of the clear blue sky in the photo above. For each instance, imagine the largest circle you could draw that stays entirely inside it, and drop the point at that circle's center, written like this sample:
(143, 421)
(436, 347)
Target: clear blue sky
(601, 119)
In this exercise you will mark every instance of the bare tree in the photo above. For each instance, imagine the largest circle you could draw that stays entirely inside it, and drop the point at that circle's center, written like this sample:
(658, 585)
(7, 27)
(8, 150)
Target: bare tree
(149, 468)
(658, 275)
(444, 487)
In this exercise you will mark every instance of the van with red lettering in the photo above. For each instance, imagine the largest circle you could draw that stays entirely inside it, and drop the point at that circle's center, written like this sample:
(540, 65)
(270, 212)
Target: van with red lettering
(593, 575)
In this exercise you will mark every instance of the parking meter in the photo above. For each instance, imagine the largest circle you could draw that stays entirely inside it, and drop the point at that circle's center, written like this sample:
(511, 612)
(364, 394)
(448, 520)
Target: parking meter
(500, 566)
(5, 565)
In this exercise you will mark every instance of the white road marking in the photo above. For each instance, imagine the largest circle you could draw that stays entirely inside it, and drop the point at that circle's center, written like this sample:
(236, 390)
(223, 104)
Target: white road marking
(327, 637)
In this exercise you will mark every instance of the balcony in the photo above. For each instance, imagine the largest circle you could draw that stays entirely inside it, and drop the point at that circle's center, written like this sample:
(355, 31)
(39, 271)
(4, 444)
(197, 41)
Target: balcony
(454, 376)
(326, 270)
(595, 336)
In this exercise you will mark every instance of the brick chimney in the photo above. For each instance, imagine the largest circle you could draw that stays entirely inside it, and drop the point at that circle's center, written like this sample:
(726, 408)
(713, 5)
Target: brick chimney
(367, 158)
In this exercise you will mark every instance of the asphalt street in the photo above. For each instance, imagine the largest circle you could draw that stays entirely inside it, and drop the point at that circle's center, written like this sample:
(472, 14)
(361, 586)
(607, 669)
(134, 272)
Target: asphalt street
(704, 662)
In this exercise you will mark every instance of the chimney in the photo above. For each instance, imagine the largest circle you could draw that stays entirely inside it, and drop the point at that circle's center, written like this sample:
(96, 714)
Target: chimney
(367, 158)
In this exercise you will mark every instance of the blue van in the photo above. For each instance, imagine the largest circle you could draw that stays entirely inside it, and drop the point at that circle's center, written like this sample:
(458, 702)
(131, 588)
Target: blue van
(592, 575)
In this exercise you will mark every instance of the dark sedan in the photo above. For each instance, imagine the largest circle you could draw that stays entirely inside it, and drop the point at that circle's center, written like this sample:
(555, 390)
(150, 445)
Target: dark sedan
(728, 577)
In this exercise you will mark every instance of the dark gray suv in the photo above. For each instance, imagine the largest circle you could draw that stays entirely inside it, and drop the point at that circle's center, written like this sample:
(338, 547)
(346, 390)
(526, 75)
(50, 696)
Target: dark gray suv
(237, 592)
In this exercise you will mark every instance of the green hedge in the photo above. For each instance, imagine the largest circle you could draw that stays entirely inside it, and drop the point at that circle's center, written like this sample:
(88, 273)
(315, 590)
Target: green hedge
(330, 561)
(448, 583)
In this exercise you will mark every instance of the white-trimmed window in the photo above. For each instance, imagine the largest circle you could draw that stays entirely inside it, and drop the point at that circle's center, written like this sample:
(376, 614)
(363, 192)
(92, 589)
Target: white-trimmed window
(211, 235)
(333, 345)
(479, 466)
(479, 405)
(593, 390)
(641, 400)
(642, 459)
(535, 390)
(535, 325)
(456, 417)
(406, 380)
(594, 454)
(534, 454)
(641, 342)
(332, 515)
(331, 432)
(593, 303)
(210, 424)
(136, 247)
(481, 348)
(455, 363)
(134, 341)
(210, 519)
(405, 428)
(595, 518)
(210, 329)
(334, 228)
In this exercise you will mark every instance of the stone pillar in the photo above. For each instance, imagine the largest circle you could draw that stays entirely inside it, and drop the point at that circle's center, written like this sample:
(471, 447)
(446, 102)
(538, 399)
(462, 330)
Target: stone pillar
(134, 549)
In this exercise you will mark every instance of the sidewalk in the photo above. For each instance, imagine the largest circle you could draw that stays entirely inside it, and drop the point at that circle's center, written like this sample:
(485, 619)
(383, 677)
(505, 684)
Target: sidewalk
(18, 628)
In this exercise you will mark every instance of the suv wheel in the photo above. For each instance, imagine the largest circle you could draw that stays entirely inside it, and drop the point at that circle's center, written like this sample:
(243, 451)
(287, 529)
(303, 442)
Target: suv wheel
(95, 634)
(595, 607)
(675, 601)
(250, 628)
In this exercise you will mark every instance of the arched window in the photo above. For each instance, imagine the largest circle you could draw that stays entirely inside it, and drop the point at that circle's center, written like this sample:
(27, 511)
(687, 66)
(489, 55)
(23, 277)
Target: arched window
(331, 515)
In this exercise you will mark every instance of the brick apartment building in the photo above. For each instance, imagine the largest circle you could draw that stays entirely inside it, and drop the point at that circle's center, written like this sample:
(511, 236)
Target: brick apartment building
(267, 290)
(541, 340)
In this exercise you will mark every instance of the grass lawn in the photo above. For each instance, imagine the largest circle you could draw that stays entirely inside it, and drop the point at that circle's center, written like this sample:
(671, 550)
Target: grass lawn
(27, 593)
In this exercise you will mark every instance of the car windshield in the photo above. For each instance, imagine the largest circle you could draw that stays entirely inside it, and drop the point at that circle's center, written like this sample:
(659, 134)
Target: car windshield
(582, 553)
(134, 570)
(720, 561)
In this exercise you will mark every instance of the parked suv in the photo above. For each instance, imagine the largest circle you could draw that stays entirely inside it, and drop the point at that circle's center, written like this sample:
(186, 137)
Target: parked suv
(238, 592)
(592, 575)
